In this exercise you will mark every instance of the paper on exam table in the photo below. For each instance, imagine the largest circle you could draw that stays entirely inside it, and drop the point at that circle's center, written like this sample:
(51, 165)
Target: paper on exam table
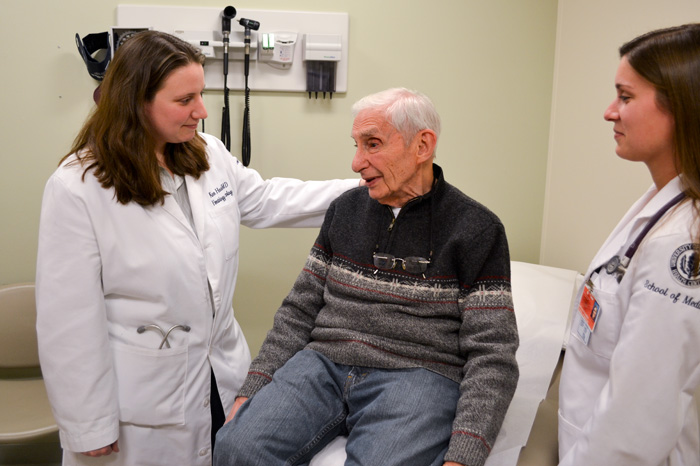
(332, 454)
(503, 458)
(542, 298)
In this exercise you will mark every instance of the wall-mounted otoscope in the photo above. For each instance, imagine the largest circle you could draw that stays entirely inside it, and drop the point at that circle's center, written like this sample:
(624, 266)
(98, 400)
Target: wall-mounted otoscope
(226, 16)
(248, 24)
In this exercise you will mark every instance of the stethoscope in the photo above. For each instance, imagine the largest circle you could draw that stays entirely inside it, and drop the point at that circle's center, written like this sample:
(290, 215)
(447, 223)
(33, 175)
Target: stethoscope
(618, 265)
(165, 335)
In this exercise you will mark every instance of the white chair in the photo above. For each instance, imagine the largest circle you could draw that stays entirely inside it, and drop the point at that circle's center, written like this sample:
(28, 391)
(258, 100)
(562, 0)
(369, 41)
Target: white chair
(28, 431)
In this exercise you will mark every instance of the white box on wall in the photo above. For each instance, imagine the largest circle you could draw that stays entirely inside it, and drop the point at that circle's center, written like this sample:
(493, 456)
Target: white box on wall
(188, 22)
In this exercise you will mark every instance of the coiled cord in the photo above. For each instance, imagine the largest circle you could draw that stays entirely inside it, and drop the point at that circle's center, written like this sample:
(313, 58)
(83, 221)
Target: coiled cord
(245, 140)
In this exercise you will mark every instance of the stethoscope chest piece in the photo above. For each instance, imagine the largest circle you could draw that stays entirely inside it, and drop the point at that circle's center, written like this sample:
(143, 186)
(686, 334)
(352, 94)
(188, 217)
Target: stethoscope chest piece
(617, 266)
(612, 265)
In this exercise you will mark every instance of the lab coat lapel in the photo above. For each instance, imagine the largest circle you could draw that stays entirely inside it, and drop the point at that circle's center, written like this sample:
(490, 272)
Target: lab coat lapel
(634, 220)
(196, 195)
(170, 206)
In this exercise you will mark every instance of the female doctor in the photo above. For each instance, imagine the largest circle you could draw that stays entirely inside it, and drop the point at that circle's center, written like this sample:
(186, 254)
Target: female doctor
(137, 261)
(632, 364)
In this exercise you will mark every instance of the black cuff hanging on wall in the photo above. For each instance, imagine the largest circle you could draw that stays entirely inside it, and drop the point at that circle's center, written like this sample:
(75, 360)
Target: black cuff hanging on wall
(88, 46)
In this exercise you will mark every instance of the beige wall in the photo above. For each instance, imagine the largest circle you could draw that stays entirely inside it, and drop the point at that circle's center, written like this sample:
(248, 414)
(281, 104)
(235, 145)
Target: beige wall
(486, 64)
(588, 187)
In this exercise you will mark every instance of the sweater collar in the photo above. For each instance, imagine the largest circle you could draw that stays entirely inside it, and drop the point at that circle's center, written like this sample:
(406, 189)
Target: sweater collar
(431, 196)
(438, 187)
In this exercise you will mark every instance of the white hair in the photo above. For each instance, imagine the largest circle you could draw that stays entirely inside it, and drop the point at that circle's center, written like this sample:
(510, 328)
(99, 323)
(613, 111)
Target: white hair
(408, 111)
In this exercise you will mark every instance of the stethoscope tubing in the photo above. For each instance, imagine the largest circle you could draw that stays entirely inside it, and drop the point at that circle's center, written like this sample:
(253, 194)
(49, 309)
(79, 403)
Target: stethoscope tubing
(165, 335)
(618, 265)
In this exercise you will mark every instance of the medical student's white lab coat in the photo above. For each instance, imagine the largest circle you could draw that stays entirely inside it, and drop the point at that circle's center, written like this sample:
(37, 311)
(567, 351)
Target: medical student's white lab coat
(105, 269)
(627, 399)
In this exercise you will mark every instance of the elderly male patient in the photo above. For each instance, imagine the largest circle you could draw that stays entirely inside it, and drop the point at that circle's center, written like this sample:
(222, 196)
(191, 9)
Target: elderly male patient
(399, 332)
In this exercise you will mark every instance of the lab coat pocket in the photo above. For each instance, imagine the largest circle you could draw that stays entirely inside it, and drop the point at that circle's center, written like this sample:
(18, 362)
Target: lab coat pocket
(607, 329)
(568, 434)
(151, 384)
(227, 220)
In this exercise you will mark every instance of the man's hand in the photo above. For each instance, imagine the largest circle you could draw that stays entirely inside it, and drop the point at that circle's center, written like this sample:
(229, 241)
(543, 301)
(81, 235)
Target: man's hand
(452, 463)
(237, 404)
(103, 451)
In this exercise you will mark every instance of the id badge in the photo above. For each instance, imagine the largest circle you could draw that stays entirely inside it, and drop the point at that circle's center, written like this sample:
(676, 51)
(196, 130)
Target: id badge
(589, 312)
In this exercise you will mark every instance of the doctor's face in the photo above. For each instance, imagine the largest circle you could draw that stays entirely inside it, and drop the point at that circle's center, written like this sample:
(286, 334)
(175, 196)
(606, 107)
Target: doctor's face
(643, 130)
(176, 109)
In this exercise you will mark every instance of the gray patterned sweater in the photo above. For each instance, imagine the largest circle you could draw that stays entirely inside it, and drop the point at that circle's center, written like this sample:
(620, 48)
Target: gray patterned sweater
(458, 321)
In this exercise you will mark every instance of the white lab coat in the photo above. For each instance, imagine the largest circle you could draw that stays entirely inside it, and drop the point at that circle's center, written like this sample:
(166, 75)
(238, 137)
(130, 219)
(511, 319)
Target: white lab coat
(627, 399)
(104, 269)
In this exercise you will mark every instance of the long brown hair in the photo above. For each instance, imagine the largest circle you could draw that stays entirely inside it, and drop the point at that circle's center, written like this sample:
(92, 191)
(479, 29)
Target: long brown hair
(116, 140)
(670, 60)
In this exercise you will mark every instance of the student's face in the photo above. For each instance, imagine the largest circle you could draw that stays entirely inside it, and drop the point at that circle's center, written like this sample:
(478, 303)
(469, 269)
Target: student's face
(643, 130)
(177, 108)
(387, 165)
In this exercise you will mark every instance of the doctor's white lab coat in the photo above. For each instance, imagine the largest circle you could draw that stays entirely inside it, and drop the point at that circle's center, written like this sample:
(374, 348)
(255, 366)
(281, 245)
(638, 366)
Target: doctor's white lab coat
(105, 269)
(627, 398)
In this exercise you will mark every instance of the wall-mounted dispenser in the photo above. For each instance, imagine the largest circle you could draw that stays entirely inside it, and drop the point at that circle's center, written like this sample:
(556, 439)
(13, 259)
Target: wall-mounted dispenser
(321, 53)
(277, 49)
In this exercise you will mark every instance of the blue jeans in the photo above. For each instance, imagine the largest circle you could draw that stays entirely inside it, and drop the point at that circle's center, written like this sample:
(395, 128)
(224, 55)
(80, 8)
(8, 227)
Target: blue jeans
(391, 417)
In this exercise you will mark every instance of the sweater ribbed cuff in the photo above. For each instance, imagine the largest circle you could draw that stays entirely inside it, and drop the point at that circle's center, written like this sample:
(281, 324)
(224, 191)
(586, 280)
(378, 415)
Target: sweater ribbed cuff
(468, 449)
(253, 383)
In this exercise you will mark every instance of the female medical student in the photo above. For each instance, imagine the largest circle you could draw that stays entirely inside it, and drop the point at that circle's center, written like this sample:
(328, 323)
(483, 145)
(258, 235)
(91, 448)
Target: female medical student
(137, 261)
(632, 365)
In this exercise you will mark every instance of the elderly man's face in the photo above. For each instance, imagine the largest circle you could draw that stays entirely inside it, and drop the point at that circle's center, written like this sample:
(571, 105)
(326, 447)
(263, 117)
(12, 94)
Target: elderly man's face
(385, 162)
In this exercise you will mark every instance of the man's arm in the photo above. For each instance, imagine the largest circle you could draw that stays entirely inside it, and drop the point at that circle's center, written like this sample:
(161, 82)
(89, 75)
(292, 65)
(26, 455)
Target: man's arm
(295, 319)
(489, 340)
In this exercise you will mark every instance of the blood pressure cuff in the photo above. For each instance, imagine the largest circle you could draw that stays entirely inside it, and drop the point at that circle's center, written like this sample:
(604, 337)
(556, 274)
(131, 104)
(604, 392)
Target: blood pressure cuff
(91, 44)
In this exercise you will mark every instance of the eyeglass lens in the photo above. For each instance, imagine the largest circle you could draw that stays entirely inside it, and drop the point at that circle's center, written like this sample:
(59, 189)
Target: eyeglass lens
(409, 264)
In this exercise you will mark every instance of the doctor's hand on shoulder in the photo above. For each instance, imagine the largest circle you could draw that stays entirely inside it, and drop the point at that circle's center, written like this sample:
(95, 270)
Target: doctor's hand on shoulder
(104, 451)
